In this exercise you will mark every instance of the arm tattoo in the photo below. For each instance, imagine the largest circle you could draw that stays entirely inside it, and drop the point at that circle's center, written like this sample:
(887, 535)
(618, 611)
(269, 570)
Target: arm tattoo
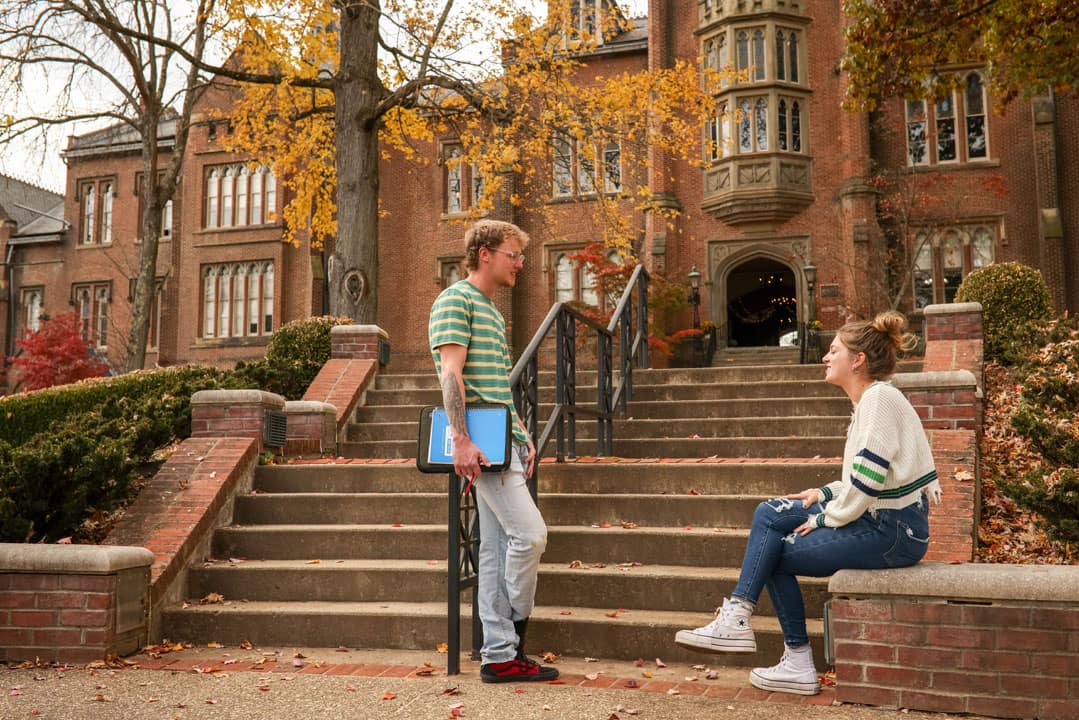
(455, 405)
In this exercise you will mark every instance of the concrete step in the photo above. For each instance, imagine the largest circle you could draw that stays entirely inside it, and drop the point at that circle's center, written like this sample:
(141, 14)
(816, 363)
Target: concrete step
(755, 447)
(758, 356)
(557, 509)
(586, 631)
(644, 587)
(752, 447)
(659, 428)
(750, 478)
(645, 410)
(698, 546)
(778, 389)
(665, 376)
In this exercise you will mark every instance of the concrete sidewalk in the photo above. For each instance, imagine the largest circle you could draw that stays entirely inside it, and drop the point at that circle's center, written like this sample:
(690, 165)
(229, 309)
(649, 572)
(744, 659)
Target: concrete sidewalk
(277, 683)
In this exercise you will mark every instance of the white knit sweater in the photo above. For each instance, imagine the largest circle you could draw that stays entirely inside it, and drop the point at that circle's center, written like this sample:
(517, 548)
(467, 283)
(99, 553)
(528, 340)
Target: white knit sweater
(886, 461)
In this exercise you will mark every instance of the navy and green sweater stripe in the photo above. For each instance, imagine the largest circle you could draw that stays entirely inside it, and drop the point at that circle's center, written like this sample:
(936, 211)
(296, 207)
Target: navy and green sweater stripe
(864, 469)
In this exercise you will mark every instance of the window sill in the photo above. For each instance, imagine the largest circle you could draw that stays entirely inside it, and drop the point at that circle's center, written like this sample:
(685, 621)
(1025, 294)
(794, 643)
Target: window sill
(950, 166)
(227, 342)
(235, 228)
(584, 197)
(462, 215)
(93, 246)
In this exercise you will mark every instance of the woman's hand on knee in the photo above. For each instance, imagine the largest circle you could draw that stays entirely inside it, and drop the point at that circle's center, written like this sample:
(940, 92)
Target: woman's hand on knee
(808, 497)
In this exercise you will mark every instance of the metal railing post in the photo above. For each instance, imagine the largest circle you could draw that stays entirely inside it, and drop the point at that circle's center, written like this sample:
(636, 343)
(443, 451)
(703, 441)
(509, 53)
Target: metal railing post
(463, 547)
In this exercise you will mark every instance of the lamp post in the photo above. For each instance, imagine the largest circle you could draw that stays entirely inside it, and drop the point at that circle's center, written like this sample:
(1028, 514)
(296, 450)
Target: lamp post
(695, 295)
(811, 280)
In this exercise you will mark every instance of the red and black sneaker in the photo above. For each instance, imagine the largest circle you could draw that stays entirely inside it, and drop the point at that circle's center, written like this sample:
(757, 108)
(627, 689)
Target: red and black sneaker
(517, 670)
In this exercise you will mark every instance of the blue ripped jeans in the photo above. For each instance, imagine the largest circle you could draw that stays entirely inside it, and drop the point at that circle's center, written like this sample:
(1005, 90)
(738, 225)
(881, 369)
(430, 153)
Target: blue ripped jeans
(775, 554)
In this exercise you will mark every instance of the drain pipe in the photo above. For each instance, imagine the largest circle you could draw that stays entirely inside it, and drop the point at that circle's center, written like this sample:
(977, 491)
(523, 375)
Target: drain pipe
(9, 328)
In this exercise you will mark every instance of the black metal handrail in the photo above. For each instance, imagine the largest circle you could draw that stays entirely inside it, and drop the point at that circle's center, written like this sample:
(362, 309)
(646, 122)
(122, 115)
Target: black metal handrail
(803, 342)
(629, 323)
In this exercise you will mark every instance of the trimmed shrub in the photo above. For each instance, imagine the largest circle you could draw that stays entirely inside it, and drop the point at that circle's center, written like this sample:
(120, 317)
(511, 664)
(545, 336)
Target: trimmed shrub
(25, 415)
(74, 452)
(303, 341)
(90, 461)
(297, 351)
(1011, 295)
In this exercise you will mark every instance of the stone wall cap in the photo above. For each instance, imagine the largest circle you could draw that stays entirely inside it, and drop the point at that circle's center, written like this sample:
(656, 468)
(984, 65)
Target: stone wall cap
(309, 406)
(935, 379)
(952, 308)
(358, 330)
(966, 581)
(73, 559)
(237, 397)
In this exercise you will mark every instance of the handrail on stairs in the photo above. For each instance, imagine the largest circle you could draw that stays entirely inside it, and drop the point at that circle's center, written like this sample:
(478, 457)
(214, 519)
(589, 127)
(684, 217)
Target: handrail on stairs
(628, 323)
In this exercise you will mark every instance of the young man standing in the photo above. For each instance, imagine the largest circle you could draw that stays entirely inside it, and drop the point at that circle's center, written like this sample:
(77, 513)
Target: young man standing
(467, 337)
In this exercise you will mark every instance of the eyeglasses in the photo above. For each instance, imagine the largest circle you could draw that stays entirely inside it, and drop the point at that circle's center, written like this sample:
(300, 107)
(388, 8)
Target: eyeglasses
(513, 256)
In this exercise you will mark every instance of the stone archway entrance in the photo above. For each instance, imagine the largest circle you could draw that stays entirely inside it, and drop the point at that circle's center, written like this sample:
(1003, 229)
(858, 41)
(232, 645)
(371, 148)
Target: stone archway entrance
(762, 303)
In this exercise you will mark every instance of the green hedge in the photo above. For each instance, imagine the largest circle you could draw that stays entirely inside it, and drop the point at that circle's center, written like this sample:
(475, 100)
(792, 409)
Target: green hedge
(27, 414)
(90, 460)
(297, 351)
(73, 452)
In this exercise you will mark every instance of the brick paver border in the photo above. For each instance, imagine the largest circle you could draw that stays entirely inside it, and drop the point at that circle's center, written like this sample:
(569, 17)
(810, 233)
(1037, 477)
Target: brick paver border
(699, 688)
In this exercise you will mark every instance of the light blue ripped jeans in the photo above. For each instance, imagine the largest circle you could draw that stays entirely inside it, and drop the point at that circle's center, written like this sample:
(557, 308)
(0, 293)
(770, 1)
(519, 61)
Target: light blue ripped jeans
(513, 536)
(775, 554)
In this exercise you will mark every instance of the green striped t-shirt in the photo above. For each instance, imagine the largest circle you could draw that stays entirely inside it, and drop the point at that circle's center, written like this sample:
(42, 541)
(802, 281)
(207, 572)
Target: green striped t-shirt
(462, 315)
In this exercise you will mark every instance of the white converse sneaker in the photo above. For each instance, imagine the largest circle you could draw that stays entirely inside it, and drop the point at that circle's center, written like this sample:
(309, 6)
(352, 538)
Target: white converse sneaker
(730, 631)
(789, 676)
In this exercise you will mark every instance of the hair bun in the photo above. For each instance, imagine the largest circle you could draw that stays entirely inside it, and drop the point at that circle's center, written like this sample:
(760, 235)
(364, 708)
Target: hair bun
(894, 325)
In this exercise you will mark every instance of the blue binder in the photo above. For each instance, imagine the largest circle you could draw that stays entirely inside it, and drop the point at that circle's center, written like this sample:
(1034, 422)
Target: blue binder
(488, 426)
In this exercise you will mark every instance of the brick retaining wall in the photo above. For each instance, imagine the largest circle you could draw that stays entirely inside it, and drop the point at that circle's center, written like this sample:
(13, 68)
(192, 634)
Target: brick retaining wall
(996, 640)
(944, 401)
(71, 603)
(175, 514)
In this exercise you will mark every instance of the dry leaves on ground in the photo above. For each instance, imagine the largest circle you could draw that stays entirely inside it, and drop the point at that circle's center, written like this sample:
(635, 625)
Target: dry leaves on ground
(1008, 533)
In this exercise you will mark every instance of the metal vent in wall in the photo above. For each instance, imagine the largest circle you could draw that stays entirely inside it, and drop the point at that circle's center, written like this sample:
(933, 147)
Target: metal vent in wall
(274, 429)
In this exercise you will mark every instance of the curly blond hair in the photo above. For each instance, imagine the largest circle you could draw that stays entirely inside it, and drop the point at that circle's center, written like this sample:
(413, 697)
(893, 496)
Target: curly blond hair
(489, 234)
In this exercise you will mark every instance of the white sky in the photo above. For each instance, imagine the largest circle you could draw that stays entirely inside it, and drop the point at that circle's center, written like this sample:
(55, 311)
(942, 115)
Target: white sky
(37, 159)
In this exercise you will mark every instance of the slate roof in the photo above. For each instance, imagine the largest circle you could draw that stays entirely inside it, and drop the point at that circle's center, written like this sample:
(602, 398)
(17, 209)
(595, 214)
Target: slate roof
(30, 206)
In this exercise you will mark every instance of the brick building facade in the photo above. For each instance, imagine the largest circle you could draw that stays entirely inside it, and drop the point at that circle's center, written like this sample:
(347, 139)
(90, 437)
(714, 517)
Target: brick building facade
(782, 219)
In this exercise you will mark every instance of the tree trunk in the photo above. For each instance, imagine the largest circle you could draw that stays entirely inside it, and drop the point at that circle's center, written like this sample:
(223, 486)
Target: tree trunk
(353, 267)
(150, 227)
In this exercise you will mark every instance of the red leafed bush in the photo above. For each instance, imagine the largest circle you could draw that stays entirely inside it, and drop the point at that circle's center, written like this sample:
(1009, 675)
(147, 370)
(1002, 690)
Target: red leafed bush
(56, 354)
(685, 334)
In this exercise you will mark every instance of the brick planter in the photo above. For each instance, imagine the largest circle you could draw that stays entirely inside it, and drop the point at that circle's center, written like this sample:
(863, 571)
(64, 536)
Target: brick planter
(72, 603)
(997, 640)
(312, 428)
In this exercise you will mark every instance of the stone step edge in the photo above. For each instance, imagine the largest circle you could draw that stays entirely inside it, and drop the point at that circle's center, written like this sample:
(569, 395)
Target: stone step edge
(588, 460)
(407, 529)
(366, 496)
(676, 619)
(439, 566)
